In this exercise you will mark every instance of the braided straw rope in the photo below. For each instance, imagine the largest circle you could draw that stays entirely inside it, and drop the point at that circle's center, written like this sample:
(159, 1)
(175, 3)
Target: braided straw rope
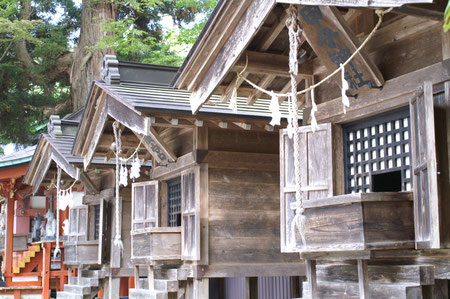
(117, 137)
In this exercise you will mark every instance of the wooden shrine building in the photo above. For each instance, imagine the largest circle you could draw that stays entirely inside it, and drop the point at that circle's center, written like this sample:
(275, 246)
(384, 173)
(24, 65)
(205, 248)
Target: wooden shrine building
(208, 211)
(84, 242)
(374, 176)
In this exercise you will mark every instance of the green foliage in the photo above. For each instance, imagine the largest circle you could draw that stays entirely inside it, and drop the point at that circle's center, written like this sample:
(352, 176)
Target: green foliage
(51, 31)
(138, 34)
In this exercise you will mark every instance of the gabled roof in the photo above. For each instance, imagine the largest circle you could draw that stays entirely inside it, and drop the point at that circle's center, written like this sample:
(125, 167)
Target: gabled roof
(143, 107)
(56, 148)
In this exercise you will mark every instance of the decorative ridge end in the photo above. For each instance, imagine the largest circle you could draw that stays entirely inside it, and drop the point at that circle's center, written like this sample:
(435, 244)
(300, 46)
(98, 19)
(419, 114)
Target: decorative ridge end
(110, 70)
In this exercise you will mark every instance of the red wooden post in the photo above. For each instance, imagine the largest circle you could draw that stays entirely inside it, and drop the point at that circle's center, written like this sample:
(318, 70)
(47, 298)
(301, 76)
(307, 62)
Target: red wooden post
(9, 233)
(46, 270)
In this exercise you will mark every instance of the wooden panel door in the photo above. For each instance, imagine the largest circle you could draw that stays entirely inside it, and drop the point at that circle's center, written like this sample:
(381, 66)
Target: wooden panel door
(316, 177)
(190, 214)
(426, 201)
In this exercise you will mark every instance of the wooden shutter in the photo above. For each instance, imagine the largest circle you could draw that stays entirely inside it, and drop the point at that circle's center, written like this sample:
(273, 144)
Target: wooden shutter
(103, 231)
(78, 223)
(145, 205)
(426, 213)
(190, 216)
(316, 176)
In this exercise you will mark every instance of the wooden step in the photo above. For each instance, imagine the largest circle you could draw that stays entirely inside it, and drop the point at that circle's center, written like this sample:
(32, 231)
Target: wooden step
(147, 294)
(379, 274)
(328, 290)
(67, 295)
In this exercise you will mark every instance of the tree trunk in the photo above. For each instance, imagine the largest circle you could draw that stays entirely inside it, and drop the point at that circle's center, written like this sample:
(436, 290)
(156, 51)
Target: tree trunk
(86, 63)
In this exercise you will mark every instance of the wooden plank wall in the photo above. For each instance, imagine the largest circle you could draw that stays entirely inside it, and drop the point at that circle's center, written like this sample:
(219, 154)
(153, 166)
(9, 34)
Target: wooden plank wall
(244, 202)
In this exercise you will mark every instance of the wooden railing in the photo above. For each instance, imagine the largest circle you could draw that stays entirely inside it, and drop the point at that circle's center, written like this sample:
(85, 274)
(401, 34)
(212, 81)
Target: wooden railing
(156, 244)
(81, 253)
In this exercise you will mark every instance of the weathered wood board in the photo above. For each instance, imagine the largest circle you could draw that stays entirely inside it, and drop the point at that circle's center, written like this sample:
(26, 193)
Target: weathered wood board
(361, 221)
(333, 41)
(356, 3)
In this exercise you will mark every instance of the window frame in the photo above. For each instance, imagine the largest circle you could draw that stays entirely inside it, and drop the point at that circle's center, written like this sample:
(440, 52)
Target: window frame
(145, 221)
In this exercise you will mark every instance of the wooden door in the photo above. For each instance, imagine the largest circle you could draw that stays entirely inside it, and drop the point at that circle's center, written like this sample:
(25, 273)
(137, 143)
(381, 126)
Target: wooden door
(190, 214)
(316, 160)
(426, 212)
(78, 223)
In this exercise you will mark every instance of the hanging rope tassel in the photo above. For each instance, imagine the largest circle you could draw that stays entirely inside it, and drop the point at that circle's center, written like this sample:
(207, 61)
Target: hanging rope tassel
(345, 87)
(233, 100)
(117, 137)
(294, 44)
(58, 196)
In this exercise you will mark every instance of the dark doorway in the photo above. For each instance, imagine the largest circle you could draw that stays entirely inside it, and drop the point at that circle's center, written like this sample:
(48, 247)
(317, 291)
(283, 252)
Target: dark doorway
(387, 182)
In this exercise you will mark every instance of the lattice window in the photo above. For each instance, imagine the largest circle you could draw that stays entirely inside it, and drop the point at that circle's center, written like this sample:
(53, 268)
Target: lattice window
(96, 221)
(375, 146)
(174, 202)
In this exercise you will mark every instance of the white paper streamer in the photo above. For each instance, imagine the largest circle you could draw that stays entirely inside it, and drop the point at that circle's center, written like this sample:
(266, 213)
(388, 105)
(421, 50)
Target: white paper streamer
(313, 112)
(123, 179)
(135, 170)
(345, 87)
(275, 110)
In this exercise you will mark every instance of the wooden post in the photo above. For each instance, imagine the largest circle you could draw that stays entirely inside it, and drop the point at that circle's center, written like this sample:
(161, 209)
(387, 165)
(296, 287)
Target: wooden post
(69, 275)
(136, 277)
(151, 278)
(10, 233)
(363, 279)
(46, 270)
(312, 279)
(252, 287)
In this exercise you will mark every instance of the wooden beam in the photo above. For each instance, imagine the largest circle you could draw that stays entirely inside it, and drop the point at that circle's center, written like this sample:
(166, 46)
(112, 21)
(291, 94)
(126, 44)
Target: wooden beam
(127, 116)
(248, 26)
(395, 94)
(95, 131)
(88, 184)
(420, 12)
(333, 41)
(355, 3)
(157, 147)
(264, 45)
(227, 20)
(263, 83)
(270, 64)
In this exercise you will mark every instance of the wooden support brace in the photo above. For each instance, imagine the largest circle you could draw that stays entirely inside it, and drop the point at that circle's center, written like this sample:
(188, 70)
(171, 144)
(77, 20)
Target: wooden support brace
(157, 147)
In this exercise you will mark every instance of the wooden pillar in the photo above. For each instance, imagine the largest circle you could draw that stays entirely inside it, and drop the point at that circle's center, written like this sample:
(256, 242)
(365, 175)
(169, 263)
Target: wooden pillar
(312, 279)
(131, 282)
(136, 277)
(201, 288)
(252, 287)
(363, 279)
(124, 286)
(151, 278)
(46, 270)
(9, 233)
(69, 275)
(17, 294)
(111, 289)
